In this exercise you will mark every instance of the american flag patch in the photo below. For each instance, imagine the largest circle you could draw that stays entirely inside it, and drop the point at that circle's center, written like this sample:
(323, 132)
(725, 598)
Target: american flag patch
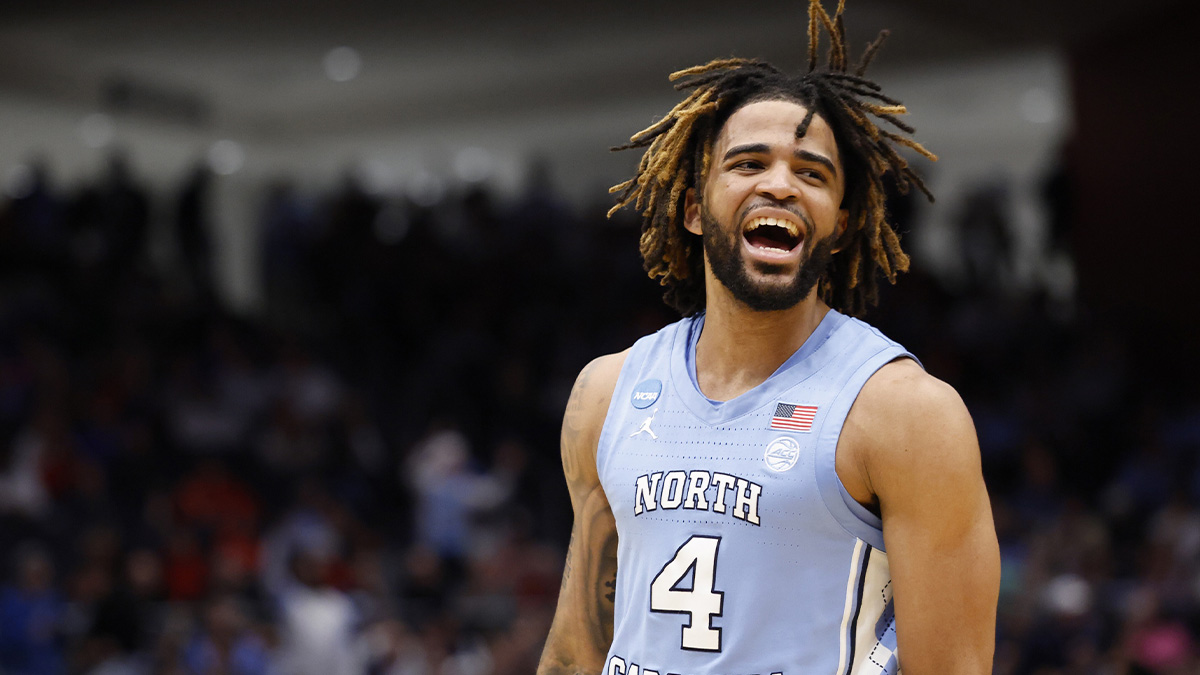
(794, 417)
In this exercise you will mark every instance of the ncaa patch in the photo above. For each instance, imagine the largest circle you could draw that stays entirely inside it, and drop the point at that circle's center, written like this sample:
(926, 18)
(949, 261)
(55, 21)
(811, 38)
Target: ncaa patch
(782, 454)
(646, 393)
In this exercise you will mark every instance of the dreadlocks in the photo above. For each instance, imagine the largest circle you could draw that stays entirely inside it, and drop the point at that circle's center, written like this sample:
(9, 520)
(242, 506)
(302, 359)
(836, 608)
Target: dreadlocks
(679, 151)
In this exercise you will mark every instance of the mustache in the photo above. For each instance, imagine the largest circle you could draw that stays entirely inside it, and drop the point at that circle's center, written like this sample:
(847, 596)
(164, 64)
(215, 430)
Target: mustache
(772, 204)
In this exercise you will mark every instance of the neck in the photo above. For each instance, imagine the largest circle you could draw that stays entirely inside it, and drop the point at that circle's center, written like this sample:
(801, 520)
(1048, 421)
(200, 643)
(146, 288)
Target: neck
(740, 347)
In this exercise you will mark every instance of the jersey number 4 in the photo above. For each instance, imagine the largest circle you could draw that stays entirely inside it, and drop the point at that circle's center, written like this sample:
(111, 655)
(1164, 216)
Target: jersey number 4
(697, 559)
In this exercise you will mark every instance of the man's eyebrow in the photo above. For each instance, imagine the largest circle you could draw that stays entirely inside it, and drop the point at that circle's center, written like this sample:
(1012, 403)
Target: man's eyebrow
(760, 148)
(748, 148)
(824, 161)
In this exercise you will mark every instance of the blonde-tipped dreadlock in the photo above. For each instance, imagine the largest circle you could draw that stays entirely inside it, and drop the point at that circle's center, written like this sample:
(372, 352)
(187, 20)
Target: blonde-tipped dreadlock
(679, 151)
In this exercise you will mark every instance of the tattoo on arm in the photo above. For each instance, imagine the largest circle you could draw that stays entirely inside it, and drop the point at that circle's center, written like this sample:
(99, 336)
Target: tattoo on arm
(583, 624)
(606, 590)
(582, 631)
(567, 565)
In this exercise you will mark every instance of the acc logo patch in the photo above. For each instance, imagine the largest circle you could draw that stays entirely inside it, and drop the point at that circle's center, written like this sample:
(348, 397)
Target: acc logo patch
(782, 454)
(645, 394)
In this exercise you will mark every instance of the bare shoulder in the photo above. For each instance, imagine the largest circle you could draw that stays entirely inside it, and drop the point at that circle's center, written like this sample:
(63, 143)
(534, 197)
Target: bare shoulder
(904, 423)
(584, 416)
(902, 399)
(591, 393)
(596, 381)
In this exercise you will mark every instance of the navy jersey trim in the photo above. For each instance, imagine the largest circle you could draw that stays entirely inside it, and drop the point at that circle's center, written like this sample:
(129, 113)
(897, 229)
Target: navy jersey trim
(858, 603)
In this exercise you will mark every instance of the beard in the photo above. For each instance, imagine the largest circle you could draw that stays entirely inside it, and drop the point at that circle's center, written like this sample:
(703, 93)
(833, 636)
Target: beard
(723, 246)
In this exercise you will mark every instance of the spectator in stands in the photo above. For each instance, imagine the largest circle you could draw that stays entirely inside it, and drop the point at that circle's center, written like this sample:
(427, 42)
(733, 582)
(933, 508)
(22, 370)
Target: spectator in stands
(32, 617)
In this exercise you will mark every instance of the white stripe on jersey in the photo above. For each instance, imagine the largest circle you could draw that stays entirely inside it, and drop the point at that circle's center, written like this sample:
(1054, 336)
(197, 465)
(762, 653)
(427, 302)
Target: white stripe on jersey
(851, 593)
(873, 650)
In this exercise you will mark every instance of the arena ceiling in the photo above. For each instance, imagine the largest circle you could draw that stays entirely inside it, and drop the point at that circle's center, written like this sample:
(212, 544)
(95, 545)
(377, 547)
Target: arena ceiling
(255, 69)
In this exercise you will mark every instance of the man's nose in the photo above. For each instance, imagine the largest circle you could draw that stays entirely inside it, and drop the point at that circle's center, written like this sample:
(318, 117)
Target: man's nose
(778, 183)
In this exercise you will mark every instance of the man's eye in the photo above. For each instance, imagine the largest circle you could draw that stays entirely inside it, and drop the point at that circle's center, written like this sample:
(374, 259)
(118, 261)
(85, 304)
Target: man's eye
(748, 164)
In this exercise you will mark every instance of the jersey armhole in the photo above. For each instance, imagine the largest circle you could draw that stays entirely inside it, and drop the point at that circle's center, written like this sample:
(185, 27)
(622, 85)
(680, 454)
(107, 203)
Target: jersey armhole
(855, 518)
(632, 365)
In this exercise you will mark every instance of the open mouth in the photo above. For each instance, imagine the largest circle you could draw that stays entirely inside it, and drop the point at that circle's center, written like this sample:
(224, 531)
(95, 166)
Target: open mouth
(774, 234)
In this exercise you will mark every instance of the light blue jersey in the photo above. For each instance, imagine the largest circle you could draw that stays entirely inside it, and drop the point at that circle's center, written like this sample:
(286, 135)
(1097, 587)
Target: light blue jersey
(739, 550)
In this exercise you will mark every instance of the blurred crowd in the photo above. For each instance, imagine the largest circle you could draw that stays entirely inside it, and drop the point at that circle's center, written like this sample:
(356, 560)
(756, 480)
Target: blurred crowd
(362, 475)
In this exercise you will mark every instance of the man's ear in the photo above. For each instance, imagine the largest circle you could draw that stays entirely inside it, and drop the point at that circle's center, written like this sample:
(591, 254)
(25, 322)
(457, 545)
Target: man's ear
(840, 228)
(692, 222)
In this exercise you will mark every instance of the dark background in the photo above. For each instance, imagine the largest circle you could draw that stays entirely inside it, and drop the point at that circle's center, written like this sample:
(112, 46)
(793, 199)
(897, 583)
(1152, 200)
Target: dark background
(283, 358)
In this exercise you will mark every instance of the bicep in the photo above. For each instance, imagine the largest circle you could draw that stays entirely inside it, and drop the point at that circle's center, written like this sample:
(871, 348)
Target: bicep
(940, 538)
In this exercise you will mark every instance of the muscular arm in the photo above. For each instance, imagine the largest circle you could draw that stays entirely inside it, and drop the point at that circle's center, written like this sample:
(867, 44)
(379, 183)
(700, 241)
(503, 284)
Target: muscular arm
(583, 622)
(913, 448)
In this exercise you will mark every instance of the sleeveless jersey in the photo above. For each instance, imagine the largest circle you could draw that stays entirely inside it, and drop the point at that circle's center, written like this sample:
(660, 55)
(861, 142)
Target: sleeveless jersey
(739, 550)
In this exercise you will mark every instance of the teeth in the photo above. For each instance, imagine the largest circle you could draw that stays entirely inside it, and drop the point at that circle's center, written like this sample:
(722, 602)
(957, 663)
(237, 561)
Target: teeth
(792, 228)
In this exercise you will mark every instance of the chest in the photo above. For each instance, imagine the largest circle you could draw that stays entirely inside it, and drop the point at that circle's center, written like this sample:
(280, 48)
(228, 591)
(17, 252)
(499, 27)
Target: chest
(664, 465)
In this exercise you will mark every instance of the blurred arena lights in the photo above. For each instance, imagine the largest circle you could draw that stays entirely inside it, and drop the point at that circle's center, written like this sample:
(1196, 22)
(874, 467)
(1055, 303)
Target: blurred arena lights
(425, 189)
(226, 157)
(1039, 106)
(473, 165)
(342, 64)
(376, 177)
(18, 184)
(97, 130)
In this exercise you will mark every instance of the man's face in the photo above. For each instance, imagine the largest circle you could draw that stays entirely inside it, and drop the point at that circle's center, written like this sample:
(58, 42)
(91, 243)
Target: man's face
(770, 207)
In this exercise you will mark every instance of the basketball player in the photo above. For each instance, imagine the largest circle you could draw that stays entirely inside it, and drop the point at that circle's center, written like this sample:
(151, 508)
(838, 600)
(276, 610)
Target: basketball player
(770, 486)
